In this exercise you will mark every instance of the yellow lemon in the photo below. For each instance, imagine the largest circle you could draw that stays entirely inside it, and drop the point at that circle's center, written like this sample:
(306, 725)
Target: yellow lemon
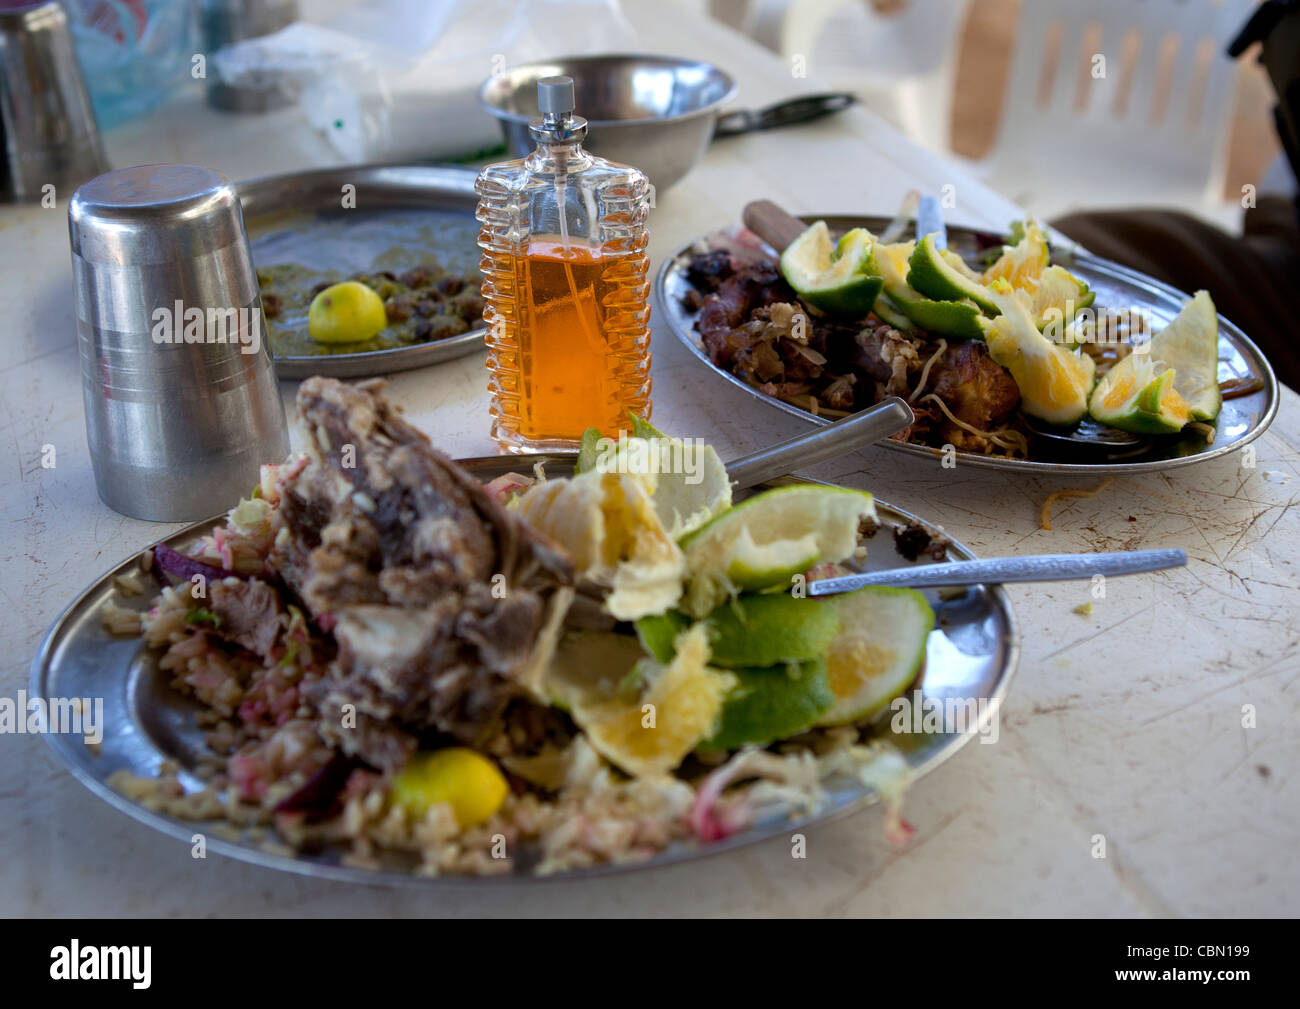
(349, 312)
(463, 778)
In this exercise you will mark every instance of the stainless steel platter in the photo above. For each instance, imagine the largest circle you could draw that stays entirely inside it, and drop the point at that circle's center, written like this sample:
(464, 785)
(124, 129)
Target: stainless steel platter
(971, 654)
(300, 218)
(1241, 421)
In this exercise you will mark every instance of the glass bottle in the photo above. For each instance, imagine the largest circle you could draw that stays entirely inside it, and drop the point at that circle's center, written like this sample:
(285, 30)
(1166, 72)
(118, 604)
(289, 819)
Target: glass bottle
(565, 286)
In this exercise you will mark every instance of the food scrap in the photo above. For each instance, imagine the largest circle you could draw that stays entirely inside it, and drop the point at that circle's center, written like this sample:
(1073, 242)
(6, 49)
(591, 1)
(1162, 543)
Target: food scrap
(1045, 516)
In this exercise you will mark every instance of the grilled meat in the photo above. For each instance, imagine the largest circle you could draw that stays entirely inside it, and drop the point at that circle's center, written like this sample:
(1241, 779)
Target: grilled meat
(887, 355)
(747, 326)
(977, 389)
(707, 270)
(436, 595)
(756, 286)
(248, 612)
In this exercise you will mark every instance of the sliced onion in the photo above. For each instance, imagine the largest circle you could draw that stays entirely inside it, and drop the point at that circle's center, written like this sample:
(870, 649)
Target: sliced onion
(187, 567)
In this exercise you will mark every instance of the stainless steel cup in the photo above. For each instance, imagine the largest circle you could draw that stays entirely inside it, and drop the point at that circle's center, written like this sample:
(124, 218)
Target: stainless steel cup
(48, 134)
(182, 404)
(226, 21)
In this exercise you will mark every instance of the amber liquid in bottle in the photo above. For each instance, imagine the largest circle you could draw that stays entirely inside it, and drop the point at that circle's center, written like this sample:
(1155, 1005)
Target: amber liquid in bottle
(580, 355)
(565, 286)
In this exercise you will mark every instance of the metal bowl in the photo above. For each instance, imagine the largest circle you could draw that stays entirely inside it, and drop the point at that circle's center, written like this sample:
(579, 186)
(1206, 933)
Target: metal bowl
(656, 113)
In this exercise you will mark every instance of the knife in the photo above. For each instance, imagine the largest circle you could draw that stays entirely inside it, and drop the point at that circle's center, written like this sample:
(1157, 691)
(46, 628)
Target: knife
(929, 221)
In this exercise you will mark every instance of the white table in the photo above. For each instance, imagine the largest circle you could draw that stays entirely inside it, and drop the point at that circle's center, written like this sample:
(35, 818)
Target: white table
(1125, 723)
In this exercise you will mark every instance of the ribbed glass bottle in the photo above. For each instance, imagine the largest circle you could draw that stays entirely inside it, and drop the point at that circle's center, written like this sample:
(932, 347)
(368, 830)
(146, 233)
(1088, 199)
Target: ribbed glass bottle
(565, 291)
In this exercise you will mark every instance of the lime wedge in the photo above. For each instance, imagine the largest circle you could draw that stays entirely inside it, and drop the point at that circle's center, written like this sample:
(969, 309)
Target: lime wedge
(957, 319)
(878, 651)
(892, 314)
(689, 483)
(1190, 344)
(750, 630)
(764, 630)
(768, 539)
(1054, 380)
(610, 528)
(933, 273)
(770, 704)
(588, 449)
(1056, 297)
(686, 480)
(1136, 401)
(1023, 262)
(658, 633)
(828, 277)
(1170, 381)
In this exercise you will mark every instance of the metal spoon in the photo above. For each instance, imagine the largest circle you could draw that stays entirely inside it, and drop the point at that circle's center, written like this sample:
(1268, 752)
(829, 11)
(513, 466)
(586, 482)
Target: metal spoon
(1088, 433)
(887, 417)
(1002, 570)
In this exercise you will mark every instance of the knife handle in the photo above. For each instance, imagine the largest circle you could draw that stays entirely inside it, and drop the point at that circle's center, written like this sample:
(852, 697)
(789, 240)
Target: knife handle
(772, 223)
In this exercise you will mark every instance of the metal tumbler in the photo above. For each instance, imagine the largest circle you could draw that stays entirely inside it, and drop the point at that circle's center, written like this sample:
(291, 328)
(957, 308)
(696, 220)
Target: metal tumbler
(48, 135)
(182, 404)
(226, 21)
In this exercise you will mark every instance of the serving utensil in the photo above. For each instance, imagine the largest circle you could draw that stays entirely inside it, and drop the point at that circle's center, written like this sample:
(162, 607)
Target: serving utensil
(803, 109)
(1090, 434)
(886, 418)
(1004, 570)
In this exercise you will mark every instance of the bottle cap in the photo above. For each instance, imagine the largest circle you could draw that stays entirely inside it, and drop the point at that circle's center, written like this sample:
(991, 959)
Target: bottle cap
(557, 124)
(554, 95)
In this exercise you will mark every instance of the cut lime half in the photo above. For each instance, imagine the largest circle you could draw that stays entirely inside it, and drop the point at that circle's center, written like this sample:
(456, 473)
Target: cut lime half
(1135, 398)
(878, 651)
(1172, 378)
(933, 273)
(1190, 345)
(768, 539)
(832, 277)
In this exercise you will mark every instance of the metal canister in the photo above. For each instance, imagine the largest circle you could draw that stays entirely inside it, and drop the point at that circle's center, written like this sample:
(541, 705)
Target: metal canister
(48, 135)
(182, 404)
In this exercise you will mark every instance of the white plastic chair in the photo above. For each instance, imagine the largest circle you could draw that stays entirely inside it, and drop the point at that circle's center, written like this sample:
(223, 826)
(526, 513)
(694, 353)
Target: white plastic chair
(1152, 131)
(900, 65)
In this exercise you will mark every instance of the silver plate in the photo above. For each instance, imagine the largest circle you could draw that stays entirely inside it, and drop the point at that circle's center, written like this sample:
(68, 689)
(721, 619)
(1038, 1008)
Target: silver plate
(300, 213)
(1241, 421)
(972, 653)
